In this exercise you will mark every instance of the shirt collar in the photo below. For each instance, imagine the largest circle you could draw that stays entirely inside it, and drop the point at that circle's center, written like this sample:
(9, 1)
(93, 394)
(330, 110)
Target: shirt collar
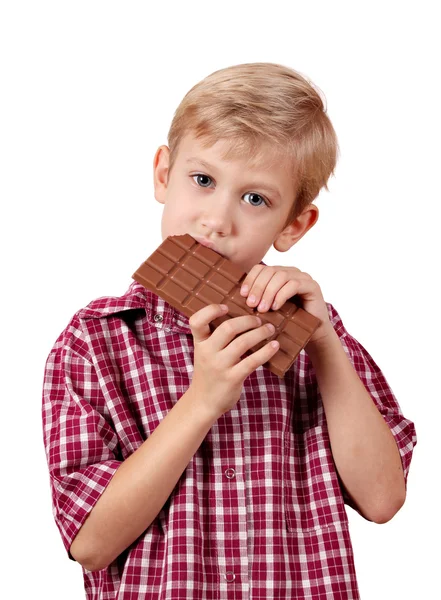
(158, 312)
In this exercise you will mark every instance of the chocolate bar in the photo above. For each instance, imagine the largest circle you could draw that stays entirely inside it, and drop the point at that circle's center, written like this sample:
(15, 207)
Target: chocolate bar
(190, 276)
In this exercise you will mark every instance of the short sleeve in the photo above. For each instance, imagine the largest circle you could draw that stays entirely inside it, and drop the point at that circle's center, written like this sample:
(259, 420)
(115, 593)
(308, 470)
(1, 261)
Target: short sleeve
(80, 443)
(373, 379)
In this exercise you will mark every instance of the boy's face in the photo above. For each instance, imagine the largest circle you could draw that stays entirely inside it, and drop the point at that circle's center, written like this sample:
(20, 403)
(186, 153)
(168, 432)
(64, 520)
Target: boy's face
(236, 207)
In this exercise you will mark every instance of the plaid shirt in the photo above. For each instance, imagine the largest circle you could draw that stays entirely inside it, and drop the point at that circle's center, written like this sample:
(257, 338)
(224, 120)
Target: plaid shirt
(259, 511)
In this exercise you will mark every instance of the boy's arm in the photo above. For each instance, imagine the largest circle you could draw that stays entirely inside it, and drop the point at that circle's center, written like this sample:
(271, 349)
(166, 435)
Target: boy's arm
(141, 485)
(364, 450)
(371, 441)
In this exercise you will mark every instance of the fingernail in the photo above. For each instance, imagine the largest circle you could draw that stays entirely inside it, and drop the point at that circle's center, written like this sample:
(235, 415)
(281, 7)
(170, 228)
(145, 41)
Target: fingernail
(224, 307)
(262, 305)
(252, 299)
(275, 344)
(244, 290)
(274, 306)
(270, 327)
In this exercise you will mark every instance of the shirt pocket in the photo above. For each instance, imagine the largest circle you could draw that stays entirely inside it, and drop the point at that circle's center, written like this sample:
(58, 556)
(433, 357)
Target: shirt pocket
(312, 493)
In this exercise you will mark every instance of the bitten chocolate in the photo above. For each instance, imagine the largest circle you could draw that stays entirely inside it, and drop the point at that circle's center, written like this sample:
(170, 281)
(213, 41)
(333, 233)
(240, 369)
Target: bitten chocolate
(190, 276)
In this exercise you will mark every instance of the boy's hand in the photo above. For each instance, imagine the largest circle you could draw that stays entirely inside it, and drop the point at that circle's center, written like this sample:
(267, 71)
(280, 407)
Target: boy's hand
(219, 372)
(270, 287)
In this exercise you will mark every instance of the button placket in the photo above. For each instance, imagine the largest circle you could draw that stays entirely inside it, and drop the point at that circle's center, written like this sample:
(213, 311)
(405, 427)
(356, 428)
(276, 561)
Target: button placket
(232, 547)
(230, 473)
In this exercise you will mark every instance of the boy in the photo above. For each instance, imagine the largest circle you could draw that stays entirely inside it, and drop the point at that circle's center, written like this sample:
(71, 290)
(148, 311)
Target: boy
(179, 470)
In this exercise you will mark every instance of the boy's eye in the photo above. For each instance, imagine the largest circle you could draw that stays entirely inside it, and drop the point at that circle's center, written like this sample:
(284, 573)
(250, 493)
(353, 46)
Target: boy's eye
(205, 181)
(202, 180)
(255, 199)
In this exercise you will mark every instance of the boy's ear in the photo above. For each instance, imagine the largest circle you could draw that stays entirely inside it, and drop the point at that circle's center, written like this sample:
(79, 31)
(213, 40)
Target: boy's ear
(160, 172)
(293, 232)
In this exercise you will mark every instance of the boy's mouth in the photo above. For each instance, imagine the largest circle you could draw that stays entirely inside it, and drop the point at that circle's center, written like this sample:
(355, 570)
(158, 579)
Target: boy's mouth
(207, 244)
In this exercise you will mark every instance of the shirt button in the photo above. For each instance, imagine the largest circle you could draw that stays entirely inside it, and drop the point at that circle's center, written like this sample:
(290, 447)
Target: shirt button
(158, 318)
(230, 576)
(230, 473)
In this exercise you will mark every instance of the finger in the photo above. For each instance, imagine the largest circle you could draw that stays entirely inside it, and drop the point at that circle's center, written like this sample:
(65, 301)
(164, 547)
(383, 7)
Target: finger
(260, 284)
(239, 346)
(199, 321)
(305, 287)
(250, 278)
(228, 330)
(256, 359)
(276, 283)
(286, 292)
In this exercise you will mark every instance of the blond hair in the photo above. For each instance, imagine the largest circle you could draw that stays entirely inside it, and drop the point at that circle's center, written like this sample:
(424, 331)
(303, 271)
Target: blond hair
(254, 105)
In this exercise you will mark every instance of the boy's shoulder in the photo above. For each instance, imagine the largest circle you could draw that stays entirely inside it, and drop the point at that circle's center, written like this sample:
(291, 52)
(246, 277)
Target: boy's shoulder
(72, 336)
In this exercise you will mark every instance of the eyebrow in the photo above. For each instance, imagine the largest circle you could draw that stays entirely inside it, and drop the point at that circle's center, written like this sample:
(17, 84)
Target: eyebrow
(263, 186)
(199, 161)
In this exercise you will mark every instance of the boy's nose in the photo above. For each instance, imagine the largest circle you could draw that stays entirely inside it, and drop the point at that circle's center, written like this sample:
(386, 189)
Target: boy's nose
(218, 217)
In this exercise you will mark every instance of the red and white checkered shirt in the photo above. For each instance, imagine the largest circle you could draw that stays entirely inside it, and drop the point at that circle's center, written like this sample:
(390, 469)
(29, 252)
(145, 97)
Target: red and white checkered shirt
(259, 511)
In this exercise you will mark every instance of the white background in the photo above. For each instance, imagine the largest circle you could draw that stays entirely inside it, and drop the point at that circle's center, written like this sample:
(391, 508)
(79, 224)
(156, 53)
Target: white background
(88, 91)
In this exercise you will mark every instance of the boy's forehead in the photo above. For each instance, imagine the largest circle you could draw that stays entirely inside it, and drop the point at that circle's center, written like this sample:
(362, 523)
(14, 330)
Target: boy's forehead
(257, 156)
